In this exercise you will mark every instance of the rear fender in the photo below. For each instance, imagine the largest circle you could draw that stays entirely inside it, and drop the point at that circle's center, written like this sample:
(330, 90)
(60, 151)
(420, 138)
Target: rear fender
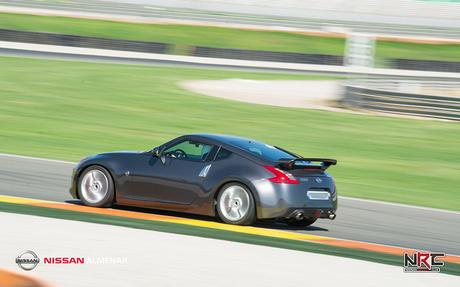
(227, 180)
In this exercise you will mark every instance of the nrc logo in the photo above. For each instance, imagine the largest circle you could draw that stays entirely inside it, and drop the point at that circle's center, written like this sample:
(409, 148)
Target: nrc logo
(423, 262)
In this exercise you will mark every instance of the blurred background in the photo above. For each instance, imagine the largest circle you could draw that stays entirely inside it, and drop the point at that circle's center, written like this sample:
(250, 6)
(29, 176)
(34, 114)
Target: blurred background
(375, 84)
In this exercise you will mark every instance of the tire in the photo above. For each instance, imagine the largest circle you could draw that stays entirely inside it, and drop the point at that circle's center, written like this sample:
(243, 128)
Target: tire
(95, 187)
(236, 205)
(303, 222)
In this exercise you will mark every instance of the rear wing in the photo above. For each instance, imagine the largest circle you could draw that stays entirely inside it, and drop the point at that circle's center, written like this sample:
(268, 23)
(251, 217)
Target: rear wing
(306, 163)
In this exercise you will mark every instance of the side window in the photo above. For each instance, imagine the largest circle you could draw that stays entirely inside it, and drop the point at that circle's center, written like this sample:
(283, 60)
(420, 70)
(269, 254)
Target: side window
(189, 150)
(223, 154)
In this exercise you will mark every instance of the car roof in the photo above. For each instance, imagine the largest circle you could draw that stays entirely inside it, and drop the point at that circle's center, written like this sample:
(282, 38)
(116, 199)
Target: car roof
(222, 138)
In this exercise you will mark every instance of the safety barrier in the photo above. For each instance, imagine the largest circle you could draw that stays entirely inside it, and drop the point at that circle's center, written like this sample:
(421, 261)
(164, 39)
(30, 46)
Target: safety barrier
(209, 52)
(82, 41)
(381, 98)
(425, 65)
(163, 48)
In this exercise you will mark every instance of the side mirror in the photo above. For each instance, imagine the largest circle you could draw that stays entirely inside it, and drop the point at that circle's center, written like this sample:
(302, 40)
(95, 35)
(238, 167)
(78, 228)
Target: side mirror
(157, 152)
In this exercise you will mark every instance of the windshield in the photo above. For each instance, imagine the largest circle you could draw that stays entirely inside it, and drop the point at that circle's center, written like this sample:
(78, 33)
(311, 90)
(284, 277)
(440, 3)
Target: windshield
(261, 150)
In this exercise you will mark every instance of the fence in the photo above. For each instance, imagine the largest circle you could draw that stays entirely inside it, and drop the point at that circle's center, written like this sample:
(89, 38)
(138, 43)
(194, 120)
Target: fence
(387, 96)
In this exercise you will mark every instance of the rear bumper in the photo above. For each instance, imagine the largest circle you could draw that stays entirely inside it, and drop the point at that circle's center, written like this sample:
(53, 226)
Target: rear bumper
(276, 200)
(309, 212)
(290, 211)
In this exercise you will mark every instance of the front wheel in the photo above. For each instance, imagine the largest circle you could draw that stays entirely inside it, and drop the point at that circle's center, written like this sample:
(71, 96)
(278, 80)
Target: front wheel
(95, 187)
(235, 205)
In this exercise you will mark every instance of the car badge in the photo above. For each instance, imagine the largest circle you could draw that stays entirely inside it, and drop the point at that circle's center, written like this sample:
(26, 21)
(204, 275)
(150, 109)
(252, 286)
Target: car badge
(204, 171)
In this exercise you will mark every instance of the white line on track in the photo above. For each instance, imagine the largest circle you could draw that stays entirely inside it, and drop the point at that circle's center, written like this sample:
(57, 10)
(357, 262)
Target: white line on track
(223, 62)
(343, 197)
(398, 204)
(35, 158)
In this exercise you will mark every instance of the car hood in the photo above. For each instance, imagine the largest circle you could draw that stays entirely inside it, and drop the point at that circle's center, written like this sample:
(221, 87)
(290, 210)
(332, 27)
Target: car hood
(121, 152)
(107, 155)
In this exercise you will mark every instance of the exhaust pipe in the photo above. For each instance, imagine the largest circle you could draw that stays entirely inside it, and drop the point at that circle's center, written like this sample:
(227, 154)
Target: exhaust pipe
(299, 216)
(332, 216)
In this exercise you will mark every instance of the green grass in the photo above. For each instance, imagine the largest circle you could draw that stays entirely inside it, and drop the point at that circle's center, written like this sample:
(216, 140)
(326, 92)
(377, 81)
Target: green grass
(181, 35)
(444, 52)
(448, 268)
(67, 110)
(184, 36)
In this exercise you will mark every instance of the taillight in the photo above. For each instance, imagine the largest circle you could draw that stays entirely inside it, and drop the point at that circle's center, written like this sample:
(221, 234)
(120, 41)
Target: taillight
(281, 176)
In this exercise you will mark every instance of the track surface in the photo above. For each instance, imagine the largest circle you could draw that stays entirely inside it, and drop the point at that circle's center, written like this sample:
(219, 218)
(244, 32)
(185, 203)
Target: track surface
(146, 62)
(199, 12)
(375, 222)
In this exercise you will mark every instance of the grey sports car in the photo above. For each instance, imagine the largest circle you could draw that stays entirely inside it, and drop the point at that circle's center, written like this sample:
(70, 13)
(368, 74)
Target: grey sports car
(240, 180)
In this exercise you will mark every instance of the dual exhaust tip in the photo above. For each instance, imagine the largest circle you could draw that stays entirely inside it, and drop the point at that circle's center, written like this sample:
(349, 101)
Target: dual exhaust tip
(300, 215)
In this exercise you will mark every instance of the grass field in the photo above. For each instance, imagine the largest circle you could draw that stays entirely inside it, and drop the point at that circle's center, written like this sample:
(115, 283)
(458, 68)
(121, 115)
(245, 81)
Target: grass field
(183, 35)
(66, 110)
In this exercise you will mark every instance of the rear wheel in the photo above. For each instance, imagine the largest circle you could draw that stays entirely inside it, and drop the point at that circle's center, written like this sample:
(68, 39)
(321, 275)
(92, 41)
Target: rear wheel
(303, 222)
(235, 205)
(95, 187)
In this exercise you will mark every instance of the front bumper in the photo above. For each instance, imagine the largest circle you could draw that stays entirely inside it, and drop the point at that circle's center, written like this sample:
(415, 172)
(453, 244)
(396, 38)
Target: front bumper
(73, 185)
(276, 200)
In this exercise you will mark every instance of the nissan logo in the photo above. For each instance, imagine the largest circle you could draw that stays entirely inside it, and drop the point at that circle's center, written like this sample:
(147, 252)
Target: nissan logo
(27, 260)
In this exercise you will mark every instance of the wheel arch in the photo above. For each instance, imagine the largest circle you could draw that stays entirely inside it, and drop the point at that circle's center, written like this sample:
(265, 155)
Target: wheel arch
(246, 184)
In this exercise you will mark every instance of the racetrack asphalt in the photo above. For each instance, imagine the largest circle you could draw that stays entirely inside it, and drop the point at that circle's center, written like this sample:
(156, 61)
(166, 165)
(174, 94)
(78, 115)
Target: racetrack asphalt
(445, 28)
(147, 62)
(368, 221)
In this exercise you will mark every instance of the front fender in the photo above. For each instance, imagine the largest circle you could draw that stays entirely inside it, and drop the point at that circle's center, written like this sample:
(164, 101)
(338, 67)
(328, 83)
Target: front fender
(104, 161)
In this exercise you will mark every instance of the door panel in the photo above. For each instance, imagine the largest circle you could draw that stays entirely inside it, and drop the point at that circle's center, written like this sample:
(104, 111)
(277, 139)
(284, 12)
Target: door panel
(176, 181)
(182, 180)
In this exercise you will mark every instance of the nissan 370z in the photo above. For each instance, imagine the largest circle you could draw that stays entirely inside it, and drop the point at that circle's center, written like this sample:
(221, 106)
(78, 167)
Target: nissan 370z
(237, 179)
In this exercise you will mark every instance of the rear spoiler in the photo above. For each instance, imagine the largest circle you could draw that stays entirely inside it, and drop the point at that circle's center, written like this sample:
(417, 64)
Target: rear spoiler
(306, 163)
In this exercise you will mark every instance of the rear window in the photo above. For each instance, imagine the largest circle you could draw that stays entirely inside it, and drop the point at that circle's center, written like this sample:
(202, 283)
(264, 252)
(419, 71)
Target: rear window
(261, 150)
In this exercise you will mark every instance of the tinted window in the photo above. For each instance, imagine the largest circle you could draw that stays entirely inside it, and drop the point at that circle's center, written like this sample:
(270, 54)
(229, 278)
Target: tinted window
(223, 154)
(189, 150)
(262, 150)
